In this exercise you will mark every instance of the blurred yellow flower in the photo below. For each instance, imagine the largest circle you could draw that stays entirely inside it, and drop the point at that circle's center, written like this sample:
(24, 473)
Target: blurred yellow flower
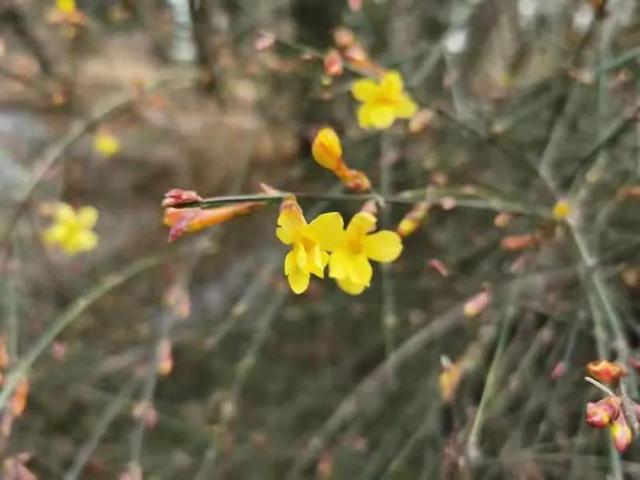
(66, 6)
(352, 249)
(309, 243)
(106, 144)
(382, 102)
(561, 210)
(72, 230)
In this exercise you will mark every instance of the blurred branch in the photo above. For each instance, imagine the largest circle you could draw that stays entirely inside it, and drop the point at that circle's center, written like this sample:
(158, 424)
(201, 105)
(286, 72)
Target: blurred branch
(100, 428)
(71, 314)
(201, 33)
(13, 15)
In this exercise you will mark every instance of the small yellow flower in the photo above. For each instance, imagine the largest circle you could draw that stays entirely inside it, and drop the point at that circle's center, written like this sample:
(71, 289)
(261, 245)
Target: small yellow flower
(106, 144)
(561, 210)
(66, 6)
(352, 249)
(72, 230)
(308, 241)
(382, 102)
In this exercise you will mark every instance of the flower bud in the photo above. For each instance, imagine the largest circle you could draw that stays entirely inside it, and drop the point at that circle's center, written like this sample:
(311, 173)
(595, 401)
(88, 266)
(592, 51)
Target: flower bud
(621, 434)
(177, 197)
(601, 413)
(605, 371)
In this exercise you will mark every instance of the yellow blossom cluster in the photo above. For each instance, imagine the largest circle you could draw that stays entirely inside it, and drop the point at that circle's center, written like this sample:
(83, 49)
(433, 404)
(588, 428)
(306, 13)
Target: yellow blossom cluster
(325, 241)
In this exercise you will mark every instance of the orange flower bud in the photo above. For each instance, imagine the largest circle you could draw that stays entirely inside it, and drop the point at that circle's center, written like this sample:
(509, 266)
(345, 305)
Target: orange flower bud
(19, 399)
(4, 354)
(621, 434)
(355, 180)
(601, 413)
(476, 304)
(343, 37)
(421, 120)
(327, 149)
(448, 382)
(165, 358)
(519, 242)
(502, 219)
(413, 219)
(439, 267)
(632, 192)
(333, 65)
(605, 371)
(177, 197)
(183, 220)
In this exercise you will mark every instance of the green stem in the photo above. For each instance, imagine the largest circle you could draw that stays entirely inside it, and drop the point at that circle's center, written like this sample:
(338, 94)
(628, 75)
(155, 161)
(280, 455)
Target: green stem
(429, 194)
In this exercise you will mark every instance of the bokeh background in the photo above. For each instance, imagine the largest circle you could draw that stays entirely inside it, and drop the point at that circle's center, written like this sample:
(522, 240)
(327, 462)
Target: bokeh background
(194, 360)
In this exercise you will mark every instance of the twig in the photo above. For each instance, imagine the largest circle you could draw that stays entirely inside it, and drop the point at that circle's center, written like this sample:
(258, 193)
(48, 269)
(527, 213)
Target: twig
(72, 313)
(100, 428)
(601, 386)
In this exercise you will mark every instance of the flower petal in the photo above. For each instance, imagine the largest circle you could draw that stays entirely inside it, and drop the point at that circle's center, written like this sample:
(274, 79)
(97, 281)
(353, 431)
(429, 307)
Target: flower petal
(84, 241)
(383, 246)
(364, 90)
(290, 263)
(359, 269)
(318, 260)
(299, 281)
(87, 216)
(391, 84)
(64, 213)
(284, 235)
(364, 116)
(338, 264)
(381, 116)
(351, 287)
(301, 256)
(361, 224)
(328, 230)
(405, 107)
(290, 221)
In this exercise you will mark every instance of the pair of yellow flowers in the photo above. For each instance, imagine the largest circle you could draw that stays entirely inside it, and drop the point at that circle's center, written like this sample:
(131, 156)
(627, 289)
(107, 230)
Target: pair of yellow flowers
(325, 241)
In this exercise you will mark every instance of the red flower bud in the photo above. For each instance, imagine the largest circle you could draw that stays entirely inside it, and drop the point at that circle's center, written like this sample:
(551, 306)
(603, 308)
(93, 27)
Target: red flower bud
(605, 371)
(621, 434)
(177, 197)
(603, 412)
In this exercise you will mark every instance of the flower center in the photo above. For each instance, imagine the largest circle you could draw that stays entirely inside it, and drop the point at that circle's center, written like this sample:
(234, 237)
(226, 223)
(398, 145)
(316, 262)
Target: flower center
(354, 245)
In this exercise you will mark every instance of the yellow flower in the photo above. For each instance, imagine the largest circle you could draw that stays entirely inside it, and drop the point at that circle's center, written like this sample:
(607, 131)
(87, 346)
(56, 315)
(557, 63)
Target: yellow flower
(352, 249)
(382, 102)
(72, 230)
(66, 6)
(308, 241)
(106, 144)
(561, 210)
